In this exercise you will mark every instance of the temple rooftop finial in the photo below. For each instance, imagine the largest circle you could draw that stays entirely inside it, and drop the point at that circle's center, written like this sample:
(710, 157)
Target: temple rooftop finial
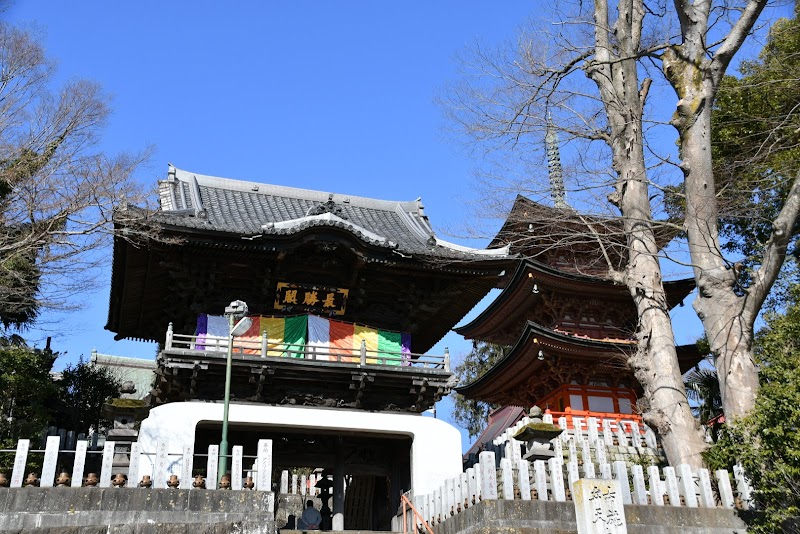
(554, 169)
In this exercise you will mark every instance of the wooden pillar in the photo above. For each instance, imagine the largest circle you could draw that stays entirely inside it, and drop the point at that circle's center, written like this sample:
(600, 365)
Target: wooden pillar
(338, 487)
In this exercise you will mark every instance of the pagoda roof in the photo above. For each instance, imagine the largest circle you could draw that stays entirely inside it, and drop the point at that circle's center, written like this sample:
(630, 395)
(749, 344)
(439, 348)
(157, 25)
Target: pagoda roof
(533, 229)
(200, 204)
(518, 296)
(522, 376)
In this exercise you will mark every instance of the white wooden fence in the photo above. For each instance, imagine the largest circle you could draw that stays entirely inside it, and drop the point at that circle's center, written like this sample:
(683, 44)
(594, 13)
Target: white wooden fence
(552, 480)
(589, 438)
(165, 463)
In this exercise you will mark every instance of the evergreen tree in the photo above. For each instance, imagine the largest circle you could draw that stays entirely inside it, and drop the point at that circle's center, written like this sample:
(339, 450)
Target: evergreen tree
(471, 414)
(767, 442)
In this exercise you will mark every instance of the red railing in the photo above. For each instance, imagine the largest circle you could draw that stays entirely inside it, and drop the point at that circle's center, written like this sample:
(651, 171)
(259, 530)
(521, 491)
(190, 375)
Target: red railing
(618, 420)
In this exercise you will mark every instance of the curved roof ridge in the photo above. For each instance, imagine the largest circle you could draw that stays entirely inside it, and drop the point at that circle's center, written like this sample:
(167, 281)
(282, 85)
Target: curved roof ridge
(232, 184)
(500, 251)
(326, 219)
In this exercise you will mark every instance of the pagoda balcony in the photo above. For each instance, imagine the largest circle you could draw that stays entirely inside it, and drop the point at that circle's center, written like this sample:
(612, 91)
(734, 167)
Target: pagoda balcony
(192, 367)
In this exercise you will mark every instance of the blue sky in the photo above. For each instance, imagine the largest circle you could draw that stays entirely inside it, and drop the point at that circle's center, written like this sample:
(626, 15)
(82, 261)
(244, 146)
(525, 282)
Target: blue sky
(335, 96)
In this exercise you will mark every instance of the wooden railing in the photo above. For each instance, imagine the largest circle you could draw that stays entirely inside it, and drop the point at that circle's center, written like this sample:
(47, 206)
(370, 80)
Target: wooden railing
(262, 348)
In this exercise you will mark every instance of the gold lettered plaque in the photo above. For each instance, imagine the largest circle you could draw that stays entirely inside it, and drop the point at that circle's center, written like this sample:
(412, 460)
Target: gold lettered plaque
(326, 300)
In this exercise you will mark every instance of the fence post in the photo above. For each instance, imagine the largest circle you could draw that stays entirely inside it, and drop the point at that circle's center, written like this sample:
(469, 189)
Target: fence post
(160, 474)
(586, 452)
(573, 452)
(463, 487)
(508, 479)
(706, 493)
(187, 463)
(523, 471)
(80, 462)
(556, 480)
(264, 466)
(212, 466)
(472, 487)
(540, 475)
(133, 466)
(168, 344)
(639, 490)
(284, 489)
(743, 487)
(605, 471)
(600, 451)
(656, 489)
(363, 352)
(20, 461)
(236, 468)
(592, 429)
(724, 485)
(488, 476)
(447, 359)
(572, 474)
(687, 485)
(672, 486)
(621, 474)
(50, 461)
(107, 464)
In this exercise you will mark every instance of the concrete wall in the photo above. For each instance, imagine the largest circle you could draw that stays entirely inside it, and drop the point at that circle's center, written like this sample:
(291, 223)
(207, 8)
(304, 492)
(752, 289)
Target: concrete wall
(24, 509)
(435, 448)
(548, 517)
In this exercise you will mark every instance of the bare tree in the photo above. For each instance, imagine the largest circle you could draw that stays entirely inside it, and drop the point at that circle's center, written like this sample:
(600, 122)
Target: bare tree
(57, 190)
(593, 71)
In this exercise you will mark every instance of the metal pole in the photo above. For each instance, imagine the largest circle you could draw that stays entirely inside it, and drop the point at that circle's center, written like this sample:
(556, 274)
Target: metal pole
(223, 445)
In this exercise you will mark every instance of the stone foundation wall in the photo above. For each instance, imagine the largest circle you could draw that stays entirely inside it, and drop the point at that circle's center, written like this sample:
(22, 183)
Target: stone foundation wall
(135, 510)
(548, 517)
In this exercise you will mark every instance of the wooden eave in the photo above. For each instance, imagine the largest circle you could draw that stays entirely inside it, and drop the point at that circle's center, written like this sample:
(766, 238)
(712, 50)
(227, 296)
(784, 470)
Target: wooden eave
(517, 297)
(513, 374)
(520, 378)
(141, 282)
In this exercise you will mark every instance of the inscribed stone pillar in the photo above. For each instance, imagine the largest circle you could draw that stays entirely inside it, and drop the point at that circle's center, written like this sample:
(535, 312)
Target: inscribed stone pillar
(488, 476)
(598, 507)
(621, 474)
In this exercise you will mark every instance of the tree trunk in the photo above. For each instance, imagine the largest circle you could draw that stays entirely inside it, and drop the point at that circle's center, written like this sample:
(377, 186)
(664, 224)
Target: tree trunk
(655, 363)
(728, 328)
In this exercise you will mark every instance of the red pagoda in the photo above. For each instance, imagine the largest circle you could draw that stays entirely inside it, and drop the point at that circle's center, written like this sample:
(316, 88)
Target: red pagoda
(568, 326)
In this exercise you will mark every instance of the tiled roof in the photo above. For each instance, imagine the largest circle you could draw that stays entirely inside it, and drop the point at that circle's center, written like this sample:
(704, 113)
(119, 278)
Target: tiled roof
(249, 209)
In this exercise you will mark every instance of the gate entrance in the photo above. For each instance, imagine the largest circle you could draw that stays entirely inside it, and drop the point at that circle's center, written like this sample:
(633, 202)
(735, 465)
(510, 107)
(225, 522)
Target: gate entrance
(375, 467)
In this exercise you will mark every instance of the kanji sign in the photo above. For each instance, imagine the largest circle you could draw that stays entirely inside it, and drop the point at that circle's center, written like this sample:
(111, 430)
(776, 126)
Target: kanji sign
(328, 300)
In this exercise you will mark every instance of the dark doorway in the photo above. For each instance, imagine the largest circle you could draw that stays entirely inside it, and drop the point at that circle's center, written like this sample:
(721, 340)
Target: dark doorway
(377, 467)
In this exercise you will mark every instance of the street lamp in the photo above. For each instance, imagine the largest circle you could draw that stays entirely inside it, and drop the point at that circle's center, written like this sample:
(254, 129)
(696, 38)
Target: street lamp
(236, 310)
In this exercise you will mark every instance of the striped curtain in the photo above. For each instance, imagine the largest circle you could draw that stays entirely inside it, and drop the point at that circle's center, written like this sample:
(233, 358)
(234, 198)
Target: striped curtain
(327, 339)
(341, 341)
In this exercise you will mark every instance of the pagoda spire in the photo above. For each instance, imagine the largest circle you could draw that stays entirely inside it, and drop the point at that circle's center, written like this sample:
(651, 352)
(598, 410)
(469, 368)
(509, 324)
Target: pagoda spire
(554, 169)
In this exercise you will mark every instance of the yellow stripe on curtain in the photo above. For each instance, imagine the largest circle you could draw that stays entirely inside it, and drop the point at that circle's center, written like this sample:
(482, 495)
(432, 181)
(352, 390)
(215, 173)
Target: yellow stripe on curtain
(274, 328)
(370, 336)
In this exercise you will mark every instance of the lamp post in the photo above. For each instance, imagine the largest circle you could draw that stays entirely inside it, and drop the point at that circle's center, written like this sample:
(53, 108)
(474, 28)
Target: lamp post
(236, 310)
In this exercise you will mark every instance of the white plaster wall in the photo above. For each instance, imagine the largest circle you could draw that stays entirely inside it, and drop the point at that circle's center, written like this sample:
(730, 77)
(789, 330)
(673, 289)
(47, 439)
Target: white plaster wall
(435, 448)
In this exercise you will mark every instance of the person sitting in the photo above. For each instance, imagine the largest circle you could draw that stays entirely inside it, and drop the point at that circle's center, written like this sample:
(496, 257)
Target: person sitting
(310, 519)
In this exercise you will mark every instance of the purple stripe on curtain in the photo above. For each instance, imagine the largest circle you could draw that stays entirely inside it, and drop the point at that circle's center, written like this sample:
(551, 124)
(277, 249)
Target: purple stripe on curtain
(200, 331)
(405, 347)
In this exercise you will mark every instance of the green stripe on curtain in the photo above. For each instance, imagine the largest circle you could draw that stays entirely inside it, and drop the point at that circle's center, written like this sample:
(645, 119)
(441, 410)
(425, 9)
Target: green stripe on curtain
(294, 334)
(389, 342)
